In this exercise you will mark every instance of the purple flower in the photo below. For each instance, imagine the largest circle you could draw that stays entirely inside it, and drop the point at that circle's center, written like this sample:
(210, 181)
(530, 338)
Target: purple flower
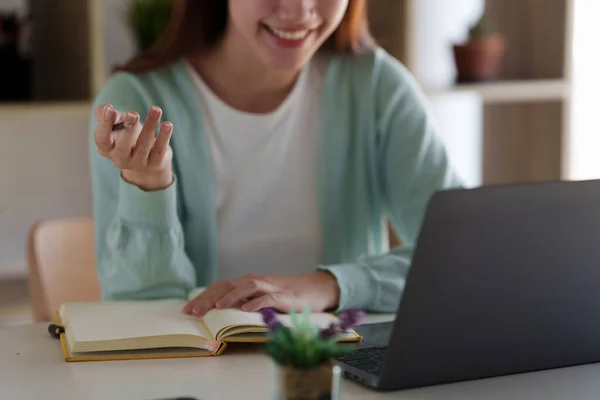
(328, 332)
(269, 316)
(351, 318)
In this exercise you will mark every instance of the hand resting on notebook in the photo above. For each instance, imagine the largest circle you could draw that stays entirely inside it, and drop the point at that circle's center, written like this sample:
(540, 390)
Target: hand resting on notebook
(318, 289)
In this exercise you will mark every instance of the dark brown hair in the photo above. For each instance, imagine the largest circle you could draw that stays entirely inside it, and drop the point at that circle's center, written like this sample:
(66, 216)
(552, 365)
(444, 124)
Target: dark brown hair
(197, 25)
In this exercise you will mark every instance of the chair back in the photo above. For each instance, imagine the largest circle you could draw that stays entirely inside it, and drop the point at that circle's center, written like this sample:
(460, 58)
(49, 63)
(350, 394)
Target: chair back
(62, 265)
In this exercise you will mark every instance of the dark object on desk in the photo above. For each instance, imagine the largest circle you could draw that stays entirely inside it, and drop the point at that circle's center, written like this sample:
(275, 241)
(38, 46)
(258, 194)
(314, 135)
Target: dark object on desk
(504, 281)
(55, 330)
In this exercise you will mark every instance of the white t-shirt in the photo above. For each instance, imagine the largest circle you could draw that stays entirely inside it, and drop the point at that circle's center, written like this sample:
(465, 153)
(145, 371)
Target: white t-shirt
(265, 172)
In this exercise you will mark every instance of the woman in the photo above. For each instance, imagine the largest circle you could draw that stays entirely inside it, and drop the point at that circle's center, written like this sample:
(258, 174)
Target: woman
(288, 141)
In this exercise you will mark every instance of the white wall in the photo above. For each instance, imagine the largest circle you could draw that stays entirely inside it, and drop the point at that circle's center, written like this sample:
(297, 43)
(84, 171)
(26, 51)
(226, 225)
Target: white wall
(459, 120)
(585, 124)
(43, 157)
(43, 173)
(437, 25)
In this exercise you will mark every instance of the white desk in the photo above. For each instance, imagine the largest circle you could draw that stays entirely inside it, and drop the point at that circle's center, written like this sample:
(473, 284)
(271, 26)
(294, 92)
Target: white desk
(32, 368)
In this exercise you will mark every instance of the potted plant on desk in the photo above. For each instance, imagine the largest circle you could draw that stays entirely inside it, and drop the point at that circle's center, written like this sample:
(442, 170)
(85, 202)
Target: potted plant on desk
(304, 355)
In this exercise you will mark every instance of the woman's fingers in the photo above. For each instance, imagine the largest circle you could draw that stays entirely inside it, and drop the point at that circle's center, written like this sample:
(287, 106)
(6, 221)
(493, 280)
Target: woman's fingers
(146, 140)
(229, 294)
(126, 140)
(99, 111)
(133, 146)
(248, 289)
(206, 300)
(281, 301)
(161, 145)
(106, 116)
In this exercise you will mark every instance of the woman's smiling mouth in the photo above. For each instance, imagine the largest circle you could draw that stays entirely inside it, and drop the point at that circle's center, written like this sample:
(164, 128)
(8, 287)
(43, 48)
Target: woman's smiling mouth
(289, 37)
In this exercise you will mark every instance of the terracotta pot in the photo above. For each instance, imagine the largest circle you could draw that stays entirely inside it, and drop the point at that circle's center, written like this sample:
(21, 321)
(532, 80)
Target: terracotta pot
(320, 383)
(479, 59)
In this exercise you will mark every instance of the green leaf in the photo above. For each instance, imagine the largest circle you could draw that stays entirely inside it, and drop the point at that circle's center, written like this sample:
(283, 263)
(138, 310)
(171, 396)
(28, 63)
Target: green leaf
(148, 20)
(479, 27)
(294, 319)
(306, 314)
(300, 345)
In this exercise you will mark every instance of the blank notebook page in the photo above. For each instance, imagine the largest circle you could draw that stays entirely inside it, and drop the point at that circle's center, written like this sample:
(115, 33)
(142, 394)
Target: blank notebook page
(124, 320)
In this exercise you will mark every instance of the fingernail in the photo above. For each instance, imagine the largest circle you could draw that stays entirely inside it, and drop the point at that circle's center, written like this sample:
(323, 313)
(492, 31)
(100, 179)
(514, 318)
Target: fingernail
(131, 119)
(168, 126)
(154, 111)
(108, 112)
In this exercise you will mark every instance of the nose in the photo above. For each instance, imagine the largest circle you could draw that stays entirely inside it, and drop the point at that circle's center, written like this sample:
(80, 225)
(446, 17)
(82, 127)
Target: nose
(296, 10)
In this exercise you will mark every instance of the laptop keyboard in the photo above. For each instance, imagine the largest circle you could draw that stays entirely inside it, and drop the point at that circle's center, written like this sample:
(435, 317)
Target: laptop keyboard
(368, 359)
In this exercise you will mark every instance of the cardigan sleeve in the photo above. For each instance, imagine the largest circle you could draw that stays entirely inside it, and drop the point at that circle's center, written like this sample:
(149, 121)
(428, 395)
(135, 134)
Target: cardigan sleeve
(138, 236)
(413, 164)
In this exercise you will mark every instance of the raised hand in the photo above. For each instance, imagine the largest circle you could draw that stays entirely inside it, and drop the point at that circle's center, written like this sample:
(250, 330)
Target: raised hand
(144, 160)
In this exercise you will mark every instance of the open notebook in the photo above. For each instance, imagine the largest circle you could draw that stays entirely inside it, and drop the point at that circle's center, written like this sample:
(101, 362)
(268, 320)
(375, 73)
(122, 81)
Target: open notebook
(159, 329)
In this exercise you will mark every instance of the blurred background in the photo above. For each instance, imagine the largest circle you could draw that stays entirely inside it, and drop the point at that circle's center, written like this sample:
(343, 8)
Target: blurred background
(513, 85)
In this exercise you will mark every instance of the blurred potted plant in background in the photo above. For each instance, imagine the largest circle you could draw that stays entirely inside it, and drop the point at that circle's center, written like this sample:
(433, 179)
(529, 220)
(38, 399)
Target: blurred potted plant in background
(148, 20)
(304, 355)
(479, 58)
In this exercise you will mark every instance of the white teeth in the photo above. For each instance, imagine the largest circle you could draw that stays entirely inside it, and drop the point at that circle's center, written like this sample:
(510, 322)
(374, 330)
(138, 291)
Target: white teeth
(290, 35)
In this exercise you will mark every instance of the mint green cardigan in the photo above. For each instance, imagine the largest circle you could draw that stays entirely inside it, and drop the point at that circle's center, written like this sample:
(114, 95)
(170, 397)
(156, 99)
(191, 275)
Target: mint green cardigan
(380, 159)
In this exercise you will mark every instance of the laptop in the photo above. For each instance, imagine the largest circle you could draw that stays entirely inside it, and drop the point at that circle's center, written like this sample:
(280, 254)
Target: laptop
(505, 279)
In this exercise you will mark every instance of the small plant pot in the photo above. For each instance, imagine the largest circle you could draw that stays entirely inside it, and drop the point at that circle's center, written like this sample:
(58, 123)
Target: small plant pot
(479, 59)
(321, 383)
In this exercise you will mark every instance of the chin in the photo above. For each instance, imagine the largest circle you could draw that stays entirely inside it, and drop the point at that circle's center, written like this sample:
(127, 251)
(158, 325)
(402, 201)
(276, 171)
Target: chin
(287, 63)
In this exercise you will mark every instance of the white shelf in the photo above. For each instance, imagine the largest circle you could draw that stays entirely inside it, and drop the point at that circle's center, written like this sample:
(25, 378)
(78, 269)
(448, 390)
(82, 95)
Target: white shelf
(510, 91)
(62, 107)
